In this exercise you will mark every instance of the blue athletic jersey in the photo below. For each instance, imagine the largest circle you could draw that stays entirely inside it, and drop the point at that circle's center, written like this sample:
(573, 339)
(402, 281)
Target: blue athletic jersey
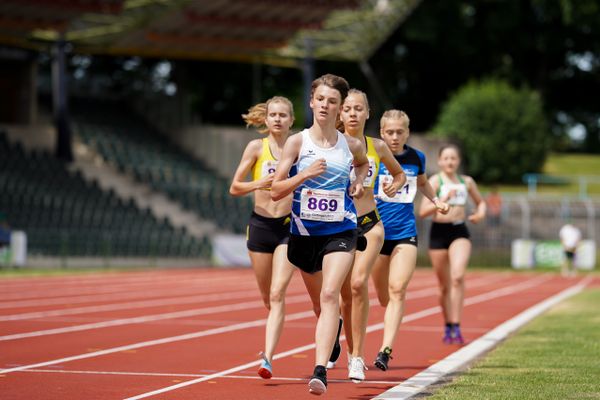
(322, 205)
(397, 213)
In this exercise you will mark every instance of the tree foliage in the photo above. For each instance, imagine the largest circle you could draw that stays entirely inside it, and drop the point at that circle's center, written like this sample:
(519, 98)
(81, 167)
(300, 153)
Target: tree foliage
(550, 46)
(502, 130)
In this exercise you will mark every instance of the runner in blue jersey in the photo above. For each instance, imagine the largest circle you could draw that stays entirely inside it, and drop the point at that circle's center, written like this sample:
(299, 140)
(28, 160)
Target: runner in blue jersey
(315, 166)
(398, 257)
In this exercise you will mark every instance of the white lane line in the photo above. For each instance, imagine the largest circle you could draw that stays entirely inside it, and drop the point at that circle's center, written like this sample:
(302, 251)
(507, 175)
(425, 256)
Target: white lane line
(57, 281)
(193, 335)
(411, 317)
(29, 297)
(194, 312)
(466, 355)
(149, 318)
(178, 375)
(187, 336)
(131, 305)
(119, 295)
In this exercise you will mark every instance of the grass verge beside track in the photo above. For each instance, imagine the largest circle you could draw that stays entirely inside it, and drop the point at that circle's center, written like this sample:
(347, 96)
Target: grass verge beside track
(554, 357)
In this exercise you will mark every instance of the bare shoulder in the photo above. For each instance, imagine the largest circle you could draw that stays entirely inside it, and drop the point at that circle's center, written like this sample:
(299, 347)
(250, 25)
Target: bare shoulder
(294, 140)
(379, 145)
(255, 145)
(434, 180)
(469, 181)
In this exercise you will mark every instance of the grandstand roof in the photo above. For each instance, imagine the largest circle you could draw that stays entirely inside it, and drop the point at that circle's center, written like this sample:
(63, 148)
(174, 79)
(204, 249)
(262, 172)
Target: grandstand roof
(268, 31)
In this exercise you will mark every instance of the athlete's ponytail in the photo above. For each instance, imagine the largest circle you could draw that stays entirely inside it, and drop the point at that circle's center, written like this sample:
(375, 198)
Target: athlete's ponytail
(257, 114)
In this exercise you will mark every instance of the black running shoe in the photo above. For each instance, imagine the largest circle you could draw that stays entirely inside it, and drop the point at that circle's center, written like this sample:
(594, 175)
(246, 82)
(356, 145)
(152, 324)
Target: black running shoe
(337, 348)
(382, 359)
(317, 384)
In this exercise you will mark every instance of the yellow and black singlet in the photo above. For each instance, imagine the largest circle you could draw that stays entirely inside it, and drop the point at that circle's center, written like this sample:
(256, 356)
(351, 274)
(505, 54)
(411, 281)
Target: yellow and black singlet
(266, 163)
(374, 160)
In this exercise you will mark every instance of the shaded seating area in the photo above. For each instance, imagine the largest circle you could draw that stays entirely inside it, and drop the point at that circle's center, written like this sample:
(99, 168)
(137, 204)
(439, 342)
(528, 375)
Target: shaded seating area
(136, 149)
(64, 215)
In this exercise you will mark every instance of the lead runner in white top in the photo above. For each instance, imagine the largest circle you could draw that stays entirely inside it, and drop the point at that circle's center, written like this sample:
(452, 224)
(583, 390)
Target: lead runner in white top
(328, 93)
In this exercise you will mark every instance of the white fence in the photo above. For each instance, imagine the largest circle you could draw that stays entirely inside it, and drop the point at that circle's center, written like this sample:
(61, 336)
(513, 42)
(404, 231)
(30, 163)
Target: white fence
(537, 218)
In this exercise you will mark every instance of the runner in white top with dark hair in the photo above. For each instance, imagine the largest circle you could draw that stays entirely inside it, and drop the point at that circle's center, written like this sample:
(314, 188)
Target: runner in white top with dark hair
(315, 165)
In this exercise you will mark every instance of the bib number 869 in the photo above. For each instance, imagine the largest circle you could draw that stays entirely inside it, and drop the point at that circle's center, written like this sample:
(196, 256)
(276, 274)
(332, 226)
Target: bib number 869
(322, 204)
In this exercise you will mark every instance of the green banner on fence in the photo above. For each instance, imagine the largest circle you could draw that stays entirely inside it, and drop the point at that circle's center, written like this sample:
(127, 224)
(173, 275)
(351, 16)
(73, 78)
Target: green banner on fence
(548, 254)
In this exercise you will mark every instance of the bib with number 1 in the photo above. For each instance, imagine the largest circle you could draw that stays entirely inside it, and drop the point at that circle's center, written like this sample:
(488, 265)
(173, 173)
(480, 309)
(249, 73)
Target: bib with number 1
(406, 194)
(322, 205)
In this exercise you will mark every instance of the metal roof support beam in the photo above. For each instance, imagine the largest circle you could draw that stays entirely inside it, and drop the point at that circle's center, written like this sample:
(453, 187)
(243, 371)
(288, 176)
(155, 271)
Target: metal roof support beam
(308, 76)
(367, 71)
(256, 81)
(59, 99)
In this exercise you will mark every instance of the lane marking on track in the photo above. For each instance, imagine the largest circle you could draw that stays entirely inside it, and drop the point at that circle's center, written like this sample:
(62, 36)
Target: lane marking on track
(44, 298)
(188, 336)
(177, 375)
(411, 317)
(194, 312)
(150, 318)
(460, 359)
(109, 292)
(131, 305)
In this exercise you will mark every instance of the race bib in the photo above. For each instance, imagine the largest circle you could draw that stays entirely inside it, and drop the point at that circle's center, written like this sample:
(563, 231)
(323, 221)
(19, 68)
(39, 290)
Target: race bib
(406, 194)
(268, 167)
(459, 198)
(369, 179)
(322, 205)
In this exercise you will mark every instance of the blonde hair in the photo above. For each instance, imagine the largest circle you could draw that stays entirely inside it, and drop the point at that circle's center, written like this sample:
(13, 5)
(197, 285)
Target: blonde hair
(333, 81)
(339, 125)
(394, 114)
(257, 114)
(360, 92)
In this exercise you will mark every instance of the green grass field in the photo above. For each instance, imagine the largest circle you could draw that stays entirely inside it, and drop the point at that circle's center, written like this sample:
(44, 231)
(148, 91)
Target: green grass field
(557, 356)
(570, 165)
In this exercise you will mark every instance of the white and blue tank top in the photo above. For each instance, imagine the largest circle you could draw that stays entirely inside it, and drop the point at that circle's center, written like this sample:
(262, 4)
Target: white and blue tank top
(322, 204)
(397, 213)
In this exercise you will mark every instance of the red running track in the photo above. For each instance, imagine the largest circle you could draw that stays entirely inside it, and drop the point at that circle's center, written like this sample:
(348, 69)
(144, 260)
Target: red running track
(195, 334)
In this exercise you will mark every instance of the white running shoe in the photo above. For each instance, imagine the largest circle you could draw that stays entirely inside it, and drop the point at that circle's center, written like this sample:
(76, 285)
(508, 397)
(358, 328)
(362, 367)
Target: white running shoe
(357, 369)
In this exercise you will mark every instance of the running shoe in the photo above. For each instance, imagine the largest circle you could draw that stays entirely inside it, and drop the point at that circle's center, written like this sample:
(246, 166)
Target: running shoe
(318, 381)
(457, 335)
(448, 334)
(266, 369)
(337, 348)
(382, 359)
(357, 370)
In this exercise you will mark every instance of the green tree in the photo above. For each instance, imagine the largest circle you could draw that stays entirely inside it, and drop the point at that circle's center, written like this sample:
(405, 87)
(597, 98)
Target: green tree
(548, 45)
(502, 130)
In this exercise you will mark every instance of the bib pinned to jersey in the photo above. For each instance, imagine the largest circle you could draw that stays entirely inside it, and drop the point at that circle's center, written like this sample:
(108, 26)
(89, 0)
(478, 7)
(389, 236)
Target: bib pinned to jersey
(266, 163)
(406, 194)
(461, 193)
